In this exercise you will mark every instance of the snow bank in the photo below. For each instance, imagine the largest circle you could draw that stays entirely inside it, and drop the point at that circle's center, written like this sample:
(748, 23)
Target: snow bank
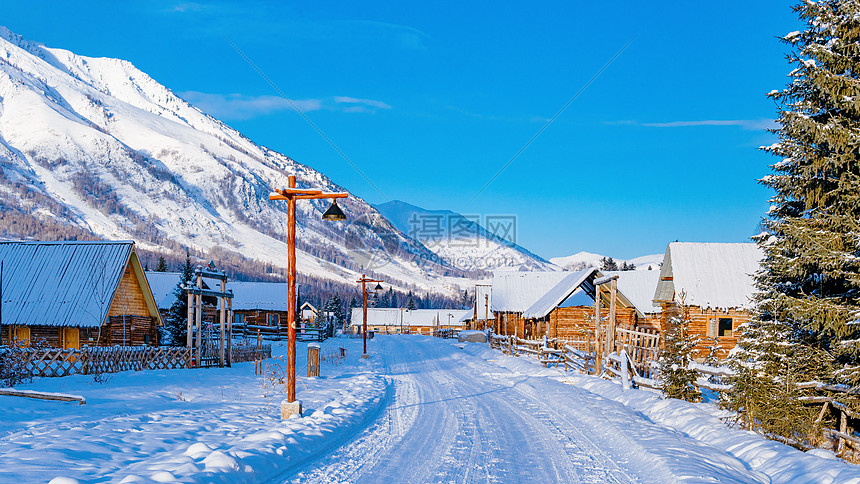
(766, 460)
(198, 425)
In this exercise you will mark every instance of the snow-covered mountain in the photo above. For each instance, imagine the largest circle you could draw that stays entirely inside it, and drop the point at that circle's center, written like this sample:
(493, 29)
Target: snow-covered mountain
(463, 241)
(95, 146)
(581, 260)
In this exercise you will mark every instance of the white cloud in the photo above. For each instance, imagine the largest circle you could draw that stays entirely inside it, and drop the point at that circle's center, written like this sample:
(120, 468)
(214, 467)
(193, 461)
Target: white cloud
(241, 107)
(751, 124)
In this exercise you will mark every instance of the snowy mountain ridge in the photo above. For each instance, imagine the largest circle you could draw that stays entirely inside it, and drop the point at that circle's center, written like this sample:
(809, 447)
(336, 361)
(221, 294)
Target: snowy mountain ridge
(100, 145)
(581, 260)
(462, 241)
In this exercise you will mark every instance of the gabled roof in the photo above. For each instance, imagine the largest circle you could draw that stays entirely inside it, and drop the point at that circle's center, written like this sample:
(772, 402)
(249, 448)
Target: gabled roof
(310, 306)
(575, 283)
(561, 291)
(69, 283)
(515, 291)
(414, 317)
(711, 275)
(267, 296)
(638, 287)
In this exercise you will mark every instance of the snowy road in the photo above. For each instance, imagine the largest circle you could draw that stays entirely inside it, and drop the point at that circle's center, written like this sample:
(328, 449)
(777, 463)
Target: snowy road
(454, 417)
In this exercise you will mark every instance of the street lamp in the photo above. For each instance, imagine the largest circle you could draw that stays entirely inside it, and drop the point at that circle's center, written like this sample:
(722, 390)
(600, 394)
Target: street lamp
(363, 281)
(291, 194)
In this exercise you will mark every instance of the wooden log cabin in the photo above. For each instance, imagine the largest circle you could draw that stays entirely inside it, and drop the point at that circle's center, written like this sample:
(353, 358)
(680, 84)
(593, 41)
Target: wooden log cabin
(566, 310)
(260, 306)
(70, 294)
(713, 282)
(406, 321)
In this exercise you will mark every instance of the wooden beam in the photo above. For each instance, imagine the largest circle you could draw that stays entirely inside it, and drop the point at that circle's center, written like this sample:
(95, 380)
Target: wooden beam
(43, 395)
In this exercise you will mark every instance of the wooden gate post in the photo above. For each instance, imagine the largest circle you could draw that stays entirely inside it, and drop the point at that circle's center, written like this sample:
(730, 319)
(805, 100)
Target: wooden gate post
(313, 359)
(222, 316)
(610, 335)
(230, 332)
(190, 336)
(598, 359)
(199, 316)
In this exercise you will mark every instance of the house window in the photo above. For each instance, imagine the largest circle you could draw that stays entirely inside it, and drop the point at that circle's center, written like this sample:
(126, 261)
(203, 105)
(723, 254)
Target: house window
(725, 327)
(239, 319)
(272, 320)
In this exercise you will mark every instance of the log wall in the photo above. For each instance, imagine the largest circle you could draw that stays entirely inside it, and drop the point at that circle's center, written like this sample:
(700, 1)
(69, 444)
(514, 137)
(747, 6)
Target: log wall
(129, 298)
(698, 327)
(566, 322)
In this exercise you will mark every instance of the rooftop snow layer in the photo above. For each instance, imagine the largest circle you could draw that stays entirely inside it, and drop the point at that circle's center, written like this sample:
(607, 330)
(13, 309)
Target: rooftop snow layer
(414, 317)
(517, 291)
(639, 287)
(559, 293)
(61, 283)
(711, 275)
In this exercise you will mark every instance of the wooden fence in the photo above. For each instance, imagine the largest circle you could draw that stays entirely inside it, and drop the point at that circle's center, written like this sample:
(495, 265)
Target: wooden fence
(446, 333)
(56, 362)
(634, 363)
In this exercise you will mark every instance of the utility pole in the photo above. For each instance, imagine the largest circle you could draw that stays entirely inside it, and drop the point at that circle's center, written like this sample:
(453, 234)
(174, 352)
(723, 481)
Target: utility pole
(363, 281)
(292, 194)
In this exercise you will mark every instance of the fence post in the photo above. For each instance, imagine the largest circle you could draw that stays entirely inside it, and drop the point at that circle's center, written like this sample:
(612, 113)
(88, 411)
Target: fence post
(313, 359)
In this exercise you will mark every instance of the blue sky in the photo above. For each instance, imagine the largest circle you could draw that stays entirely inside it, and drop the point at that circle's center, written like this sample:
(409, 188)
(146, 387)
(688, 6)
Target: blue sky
(431, 100)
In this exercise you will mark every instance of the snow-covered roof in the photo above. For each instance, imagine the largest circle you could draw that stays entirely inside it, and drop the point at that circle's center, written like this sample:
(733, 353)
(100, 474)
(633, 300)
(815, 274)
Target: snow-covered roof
(61, 283)
(414, 317)
(711, 275)
(561, 291)
(271, 296)
(638, 287)
(515, 291)
(162, 285)
(470, 315)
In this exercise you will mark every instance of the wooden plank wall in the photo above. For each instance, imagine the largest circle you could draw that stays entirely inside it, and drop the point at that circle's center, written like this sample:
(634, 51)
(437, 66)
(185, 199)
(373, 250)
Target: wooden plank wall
(566, 322)
(129, 297)
(257, 317)
(699, 318)
(129, 331)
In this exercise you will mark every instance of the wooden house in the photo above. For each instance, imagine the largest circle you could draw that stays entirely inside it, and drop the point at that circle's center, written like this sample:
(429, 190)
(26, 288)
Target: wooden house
(566, 310)
(406, 321)
(308, 313)
(713, 283)
(70, 294)
(260, 305)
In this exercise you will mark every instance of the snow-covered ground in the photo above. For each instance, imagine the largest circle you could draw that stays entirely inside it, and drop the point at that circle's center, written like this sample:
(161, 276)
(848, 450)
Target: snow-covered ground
(419, 410)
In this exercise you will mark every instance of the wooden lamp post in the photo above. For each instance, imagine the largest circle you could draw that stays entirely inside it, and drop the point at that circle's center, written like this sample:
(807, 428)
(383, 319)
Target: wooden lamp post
(363, 281)
(291, 194)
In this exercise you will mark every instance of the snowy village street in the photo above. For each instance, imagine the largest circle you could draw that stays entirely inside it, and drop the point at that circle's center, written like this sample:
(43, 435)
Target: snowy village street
(420, 409)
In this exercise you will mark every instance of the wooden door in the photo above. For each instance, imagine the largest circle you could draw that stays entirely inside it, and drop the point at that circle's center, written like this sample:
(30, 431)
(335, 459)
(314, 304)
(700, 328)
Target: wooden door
(72, 338)
(22, 334)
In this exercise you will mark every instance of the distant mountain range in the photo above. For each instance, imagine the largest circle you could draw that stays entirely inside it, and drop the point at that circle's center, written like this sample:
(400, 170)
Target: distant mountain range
(582, 260)
(463, 241)
(95, 148)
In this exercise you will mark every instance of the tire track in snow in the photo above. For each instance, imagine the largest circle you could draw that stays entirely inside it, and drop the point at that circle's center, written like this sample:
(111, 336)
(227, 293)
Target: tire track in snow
(449, 423)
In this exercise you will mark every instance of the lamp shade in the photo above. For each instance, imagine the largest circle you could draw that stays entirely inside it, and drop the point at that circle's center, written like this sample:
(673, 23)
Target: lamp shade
(378, 287)
(334, 213)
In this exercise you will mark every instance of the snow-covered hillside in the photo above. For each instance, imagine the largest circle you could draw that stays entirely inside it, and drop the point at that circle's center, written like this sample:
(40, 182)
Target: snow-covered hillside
(462, 241)
(99, 144)
(587, 259)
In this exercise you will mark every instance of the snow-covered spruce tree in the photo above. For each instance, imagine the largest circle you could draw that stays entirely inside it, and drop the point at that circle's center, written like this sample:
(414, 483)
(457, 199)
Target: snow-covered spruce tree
(176, 325)
(806, 322)
(675, 357)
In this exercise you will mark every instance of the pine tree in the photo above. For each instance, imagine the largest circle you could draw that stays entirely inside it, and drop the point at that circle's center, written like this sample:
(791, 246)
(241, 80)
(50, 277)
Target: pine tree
(608, 264)
(162, 264)
(410, 302)
(176, 324)
(676, 355)
(805, 326)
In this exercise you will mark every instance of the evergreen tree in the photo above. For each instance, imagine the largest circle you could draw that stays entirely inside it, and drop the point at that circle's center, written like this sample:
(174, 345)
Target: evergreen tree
(335, 307)
(162, 264)
(805, 323)
(676, 356)
(608, 264)
(410, 302)
(176, 324)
